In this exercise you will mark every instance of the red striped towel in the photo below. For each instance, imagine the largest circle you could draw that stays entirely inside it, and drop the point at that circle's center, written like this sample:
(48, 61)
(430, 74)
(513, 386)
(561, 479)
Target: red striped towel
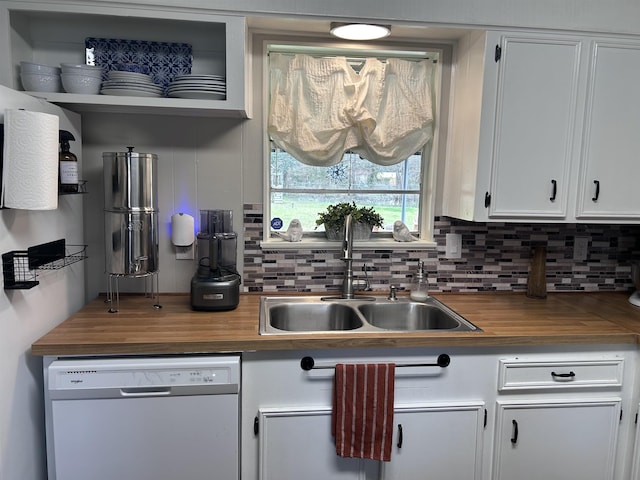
(363, 410)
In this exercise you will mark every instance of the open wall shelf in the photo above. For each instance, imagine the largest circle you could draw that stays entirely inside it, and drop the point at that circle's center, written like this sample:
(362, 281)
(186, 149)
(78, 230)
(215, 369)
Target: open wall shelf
(20, 267)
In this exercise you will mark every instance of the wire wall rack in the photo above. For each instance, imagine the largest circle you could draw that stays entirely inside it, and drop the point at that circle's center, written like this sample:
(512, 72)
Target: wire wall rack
(20, 267)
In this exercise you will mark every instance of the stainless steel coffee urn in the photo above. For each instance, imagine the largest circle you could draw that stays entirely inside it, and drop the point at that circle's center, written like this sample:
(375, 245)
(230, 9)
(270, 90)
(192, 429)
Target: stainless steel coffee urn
(130, 216)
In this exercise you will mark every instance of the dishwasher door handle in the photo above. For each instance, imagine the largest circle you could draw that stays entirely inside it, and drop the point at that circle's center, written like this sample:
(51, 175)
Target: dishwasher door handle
(145, 392)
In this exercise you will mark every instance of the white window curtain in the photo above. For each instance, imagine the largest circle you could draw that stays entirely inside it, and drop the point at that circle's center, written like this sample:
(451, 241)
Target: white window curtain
(322, 107)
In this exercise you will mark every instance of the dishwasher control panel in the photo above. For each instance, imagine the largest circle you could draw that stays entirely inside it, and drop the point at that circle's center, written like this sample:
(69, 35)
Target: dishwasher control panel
(143, 372)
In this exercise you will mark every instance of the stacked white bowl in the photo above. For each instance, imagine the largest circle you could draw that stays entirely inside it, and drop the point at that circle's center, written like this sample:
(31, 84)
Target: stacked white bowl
(37, 77)
(83, 79)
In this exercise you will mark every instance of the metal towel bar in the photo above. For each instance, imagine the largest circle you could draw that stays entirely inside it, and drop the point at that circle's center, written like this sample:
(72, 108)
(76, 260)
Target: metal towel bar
(308, 363)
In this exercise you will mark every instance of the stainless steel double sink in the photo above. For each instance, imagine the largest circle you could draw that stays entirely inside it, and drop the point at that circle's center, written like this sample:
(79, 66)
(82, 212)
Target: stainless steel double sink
(294, 315)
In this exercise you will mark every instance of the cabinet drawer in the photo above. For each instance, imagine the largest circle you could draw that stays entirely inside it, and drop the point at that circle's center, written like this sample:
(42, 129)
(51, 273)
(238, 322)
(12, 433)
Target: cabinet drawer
(526, 375)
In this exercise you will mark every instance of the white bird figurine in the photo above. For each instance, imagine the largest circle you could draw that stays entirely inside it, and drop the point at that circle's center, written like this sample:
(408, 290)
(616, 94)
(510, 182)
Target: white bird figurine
(293, 233)
(401, 232)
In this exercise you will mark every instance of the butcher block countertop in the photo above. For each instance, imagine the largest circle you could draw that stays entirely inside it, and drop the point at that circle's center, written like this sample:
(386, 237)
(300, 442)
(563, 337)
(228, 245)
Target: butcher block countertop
(505, 318)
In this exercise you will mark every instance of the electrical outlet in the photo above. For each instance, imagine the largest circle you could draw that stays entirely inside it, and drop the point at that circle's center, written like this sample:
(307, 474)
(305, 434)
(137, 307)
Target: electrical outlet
(580, 249)
(453, 245)
(184, 253)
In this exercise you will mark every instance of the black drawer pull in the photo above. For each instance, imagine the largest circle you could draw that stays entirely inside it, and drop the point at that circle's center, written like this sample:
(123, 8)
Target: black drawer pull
(399, 435)
(555, 190)
(597, 184)
(514, 436)
(563, 375)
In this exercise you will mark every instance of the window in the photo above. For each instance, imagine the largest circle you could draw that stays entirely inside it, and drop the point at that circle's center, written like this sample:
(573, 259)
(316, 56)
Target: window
(397, 192)
(304, 190)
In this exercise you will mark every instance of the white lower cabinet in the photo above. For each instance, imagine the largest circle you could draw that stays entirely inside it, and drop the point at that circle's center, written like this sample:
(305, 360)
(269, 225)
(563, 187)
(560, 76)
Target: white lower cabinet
(557, 439)
(439, 428)
(521, 413)
(635, 469)
(296, 443)
(441, 441)
(560, 416)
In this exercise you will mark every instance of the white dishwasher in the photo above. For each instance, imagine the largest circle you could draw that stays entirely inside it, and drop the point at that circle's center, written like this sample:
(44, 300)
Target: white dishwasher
(141, 418)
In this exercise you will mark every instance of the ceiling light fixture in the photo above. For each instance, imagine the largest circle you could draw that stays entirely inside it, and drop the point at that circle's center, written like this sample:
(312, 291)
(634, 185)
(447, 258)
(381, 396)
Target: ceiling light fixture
(359, 31)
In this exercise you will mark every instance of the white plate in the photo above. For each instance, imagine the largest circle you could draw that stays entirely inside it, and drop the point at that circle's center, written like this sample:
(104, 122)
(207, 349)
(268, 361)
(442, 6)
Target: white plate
(129, 80)
(130, 76)
(199, 77)
(197, 87)
(197, 82)
(205, 90)
(132, 87)
(123, 92)
(125, 84)
(189, 86)
(198, 95)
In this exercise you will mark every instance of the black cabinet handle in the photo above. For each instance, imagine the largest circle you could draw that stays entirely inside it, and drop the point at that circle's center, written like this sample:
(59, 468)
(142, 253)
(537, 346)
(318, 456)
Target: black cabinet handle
(555, 190)
(514, 436)
(487, 199)
(563, 375)
(399, 435)
(597, 184)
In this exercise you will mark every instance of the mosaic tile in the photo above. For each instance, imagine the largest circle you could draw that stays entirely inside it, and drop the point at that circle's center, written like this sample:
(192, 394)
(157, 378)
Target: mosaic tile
(495, 257)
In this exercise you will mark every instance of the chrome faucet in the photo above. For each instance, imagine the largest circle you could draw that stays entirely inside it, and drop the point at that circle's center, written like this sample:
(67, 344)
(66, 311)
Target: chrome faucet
(392, 294)
(347, 258)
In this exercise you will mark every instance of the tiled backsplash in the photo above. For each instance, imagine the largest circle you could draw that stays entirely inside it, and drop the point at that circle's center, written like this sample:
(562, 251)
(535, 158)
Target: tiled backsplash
(495, 256)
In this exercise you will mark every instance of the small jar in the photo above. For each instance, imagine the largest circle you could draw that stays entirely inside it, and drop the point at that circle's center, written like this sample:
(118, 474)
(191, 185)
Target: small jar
(419, 287)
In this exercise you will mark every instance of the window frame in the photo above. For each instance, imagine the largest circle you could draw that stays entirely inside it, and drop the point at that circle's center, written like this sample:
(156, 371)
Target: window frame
(429, 171)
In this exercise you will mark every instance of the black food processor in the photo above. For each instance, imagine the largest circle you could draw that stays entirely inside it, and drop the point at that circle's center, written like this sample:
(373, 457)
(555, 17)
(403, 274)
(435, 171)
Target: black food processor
(216, 283)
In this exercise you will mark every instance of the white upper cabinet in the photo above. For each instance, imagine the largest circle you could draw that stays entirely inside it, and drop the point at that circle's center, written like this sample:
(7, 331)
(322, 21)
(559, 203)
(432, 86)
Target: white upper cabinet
(542, 126)
(611, 143)
(515, 108)
(535, 125)
(54, 33)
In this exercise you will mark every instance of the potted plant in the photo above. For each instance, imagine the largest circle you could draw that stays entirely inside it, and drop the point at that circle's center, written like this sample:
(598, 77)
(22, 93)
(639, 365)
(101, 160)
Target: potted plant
(364, 220)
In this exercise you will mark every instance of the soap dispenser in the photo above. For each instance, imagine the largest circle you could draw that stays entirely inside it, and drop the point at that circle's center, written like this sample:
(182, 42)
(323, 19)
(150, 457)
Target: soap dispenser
(68, 162)
(419, 287)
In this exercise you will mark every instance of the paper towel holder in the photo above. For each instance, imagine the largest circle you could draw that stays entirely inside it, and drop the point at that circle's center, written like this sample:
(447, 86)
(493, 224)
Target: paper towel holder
(82, 184)
(1, 158)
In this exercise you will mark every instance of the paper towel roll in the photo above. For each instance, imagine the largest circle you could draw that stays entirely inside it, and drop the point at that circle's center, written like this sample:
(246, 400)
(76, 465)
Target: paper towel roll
(30, 164)
(182, 231)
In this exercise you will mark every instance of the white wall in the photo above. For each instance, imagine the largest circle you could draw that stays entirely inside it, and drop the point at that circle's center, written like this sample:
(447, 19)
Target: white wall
(25, 315)
(200, 162)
